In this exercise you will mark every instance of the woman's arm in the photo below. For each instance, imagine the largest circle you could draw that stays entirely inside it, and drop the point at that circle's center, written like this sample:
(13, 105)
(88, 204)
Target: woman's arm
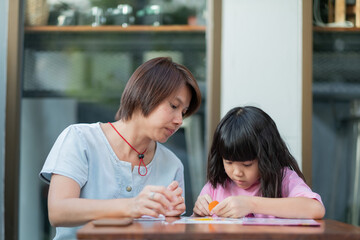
(294, 207)
(67, 209)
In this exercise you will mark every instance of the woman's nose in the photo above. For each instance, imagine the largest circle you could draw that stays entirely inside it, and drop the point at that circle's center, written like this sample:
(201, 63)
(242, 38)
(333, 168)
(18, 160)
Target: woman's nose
(178, 118)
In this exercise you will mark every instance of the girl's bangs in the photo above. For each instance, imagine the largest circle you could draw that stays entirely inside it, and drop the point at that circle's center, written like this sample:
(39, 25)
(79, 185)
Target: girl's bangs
(237, 145)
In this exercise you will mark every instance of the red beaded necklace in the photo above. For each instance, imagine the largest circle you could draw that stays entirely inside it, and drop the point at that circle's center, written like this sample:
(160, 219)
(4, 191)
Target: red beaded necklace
(140, 155)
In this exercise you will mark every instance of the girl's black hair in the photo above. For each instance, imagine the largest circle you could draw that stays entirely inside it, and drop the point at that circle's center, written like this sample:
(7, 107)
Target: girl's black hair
(248, 133)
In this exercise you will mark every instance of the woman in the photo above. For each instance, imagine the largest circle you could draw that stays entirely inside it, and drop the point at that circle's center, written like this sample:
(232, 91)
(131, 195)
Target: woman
(120, 169)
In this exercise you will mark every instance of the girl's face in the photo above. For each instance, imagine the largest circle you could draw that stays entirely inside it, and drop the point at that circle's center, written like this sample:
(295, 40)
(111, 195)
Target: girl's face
(167, 117)
(243, 174)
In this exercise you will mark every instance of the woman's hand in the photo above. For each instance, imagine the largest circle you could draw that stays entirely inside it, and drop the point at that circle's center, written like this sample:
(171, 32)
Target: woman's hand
(152, 201)
(67, 209)
(201, 207)
(233, 207)
(178, 204)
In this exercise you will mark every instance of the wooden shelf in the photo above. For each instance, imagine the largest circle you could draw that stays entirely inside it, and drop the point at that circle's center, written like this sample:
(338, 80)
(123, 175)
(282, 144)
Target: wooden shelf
(135, 28)
(335, 29)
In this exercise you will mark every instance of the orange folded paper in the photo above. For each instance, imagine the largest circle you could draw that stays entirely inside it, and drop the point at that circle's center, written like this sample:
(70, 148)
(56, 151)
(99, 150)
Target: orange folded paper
(212, 205)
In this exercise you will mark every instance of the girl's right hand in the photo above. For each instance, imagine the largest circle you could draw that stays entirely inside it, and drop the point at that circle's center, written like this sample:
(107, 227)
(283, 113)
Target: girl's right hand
(201, 207)
(152, 201)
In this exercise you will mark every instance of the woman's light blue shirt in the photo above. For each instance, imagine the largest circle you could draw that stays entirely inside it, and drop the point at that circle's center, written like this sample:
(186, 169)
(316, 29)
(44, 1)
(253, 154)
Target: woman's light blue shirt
(83, 153)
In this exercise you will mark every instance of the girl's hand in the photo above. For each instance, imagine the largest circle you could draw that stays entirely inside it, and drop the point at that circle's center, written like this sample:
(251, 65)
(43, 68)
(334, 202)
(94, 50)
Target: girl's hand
(152, 201)
(233, 207)
(201, 207)
(178, 204)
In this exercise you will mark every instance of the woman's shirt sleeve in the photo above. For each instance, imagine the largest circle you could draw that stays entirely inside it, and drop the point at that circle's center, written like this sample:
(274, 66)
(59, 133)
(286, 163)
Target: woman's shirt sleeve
(68, 157)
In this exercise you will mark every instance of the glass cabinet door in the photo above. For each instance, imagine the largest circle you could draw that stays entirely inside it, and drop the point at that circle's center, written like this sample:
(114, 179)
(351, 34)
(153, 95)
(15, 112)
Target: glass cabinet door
(336, 109)
(78, 56)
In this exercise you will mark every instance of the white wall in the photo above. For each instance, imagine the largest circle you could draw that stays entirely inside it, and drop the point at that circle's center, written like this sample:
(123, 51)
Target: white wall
(261, 62)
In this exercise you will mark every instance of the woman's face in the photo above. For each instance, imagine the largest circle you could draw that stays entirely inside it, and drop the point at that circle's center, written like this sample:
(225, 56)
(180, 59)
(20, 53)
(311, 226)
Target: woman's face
(167, 117)
(243, 174)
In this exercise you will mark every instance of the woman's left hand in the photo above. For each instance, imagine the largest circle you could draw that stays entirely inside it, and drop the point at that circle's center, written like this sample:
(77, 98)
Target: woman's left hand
(178, 204)
(233, 207)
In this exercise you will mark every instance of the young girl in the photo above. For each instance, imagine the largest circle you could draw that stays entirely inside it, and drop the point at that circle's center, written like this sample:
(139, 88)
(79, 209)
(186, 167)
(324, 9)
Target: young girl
(251, 172)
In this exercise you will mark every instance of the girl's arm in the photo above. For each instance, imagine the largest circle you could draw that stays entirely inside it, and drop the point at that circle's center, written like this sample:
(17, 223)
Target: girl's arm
(291, 207)
(67, 209)
(294, 207)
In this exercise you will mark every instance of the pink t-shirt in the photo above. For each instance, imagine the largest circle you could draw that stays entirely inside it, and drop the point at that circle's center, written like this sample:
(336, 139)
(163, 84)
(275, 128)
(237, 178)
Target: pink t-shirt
(292, 186)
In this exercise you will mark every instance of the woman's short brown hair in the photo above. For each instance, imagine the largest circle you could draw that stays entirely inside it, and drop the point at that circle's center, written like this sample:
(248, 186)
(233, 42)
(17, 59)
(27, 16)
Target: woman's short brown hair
(154, 81)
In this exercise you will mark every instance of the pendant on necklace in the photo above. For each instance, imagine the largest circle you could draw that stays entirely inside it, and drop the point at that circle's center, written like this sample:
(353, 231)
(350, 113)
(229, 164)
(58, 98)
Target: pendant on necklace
(140, 155)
